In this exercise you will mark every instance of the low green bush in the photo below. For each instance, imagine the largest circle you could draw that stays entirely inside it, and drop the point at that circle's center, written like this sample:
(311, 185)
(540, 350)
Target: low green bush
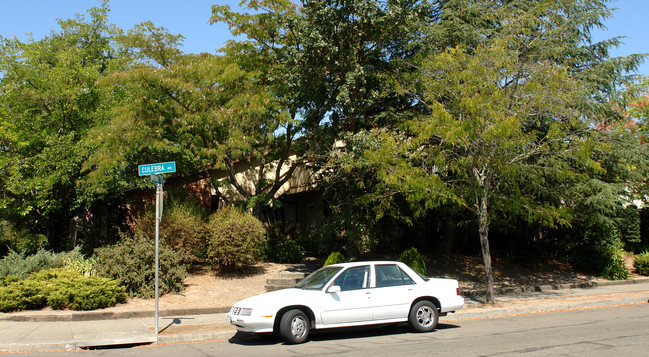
(60, 288)
(413, 259)
(234, 238)
(131, 262)
(21, 265)
(85, 266)
(335, 258)
(286, 252)
(283, 245)
(615, 268)
(22, 295)
(641, 263)
(605, 260)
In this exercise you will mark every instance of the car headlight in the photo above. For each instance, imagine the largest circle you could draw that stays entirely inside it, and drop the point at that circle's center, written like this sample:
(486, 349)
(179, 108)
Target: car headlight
(240, 311)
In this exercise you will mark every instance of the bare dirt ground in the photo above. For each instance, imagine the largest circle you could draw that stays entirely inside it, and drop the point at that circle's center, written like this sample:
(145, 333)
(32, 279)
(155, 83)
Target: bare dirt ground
(206, 289)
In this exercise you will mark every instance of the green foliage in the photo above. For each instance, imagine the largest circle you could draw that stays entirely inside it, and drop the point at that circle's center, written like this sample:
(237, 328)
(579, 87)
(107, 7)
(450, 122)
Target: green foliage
(603, 259)
(217, 110)
(181, 228)
(288, 251)
(81, 265)
(616, 267)
(283, 246)
(50, 101)
(8, 279)
(22, 295)
(349, 228)
(641, 263)
(234, 238)
(19, 240)
(630, 228)
(60, 288)
(21, 265)
(335, 258)
(413, 259)
(131, 262)
(588, 259)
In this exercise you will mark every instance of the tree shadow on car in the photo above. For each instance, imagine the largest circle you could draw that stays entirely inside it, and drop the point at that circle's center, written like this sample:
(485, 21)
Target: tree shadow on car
(249, 339)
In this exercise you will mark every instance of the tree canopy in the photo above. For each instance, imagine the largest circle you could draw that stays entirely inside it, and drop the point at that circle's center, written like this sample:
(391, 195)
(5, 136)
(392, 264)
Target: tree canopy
(506, 112)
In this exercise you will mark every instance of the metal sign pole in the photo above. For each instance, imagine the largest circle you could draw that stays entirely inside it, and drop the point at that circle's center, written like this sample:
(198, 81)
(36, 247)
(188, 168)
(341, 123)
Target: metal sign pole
(155, 171)
(158, 216)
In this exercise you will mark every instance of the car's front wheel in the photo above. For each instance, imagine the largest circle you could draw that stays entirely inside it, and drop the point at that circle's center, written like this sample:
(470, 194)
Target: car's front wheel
(294, 327)
(423, 316)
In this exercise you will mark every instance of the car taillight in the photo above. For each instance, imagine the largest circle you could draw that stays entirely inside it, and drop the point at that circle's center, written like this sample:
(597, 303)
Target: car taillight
(458, 291)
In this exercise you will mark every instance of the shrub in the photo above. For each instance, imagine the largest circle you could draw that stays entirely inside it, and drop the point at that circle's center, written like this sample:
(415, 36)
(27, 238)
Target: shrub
(181, 228)
(283, 246)
(641, 263)
(22, 295)
(85, 266)
(284, 252)
(70, 289)
(19, 240)
(413, 259)
(588, 259)
(132, 263)
(233, 238)
(8, 279)
(21, 265)
(616, 266)
(335, 258)
(60, 288)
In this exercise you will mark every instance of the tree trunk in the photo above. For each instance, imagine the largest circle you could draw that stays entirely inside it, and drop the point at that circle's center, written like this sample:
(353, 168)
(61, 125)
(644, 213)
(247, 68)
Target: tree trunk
(486, 254)
(483, 230)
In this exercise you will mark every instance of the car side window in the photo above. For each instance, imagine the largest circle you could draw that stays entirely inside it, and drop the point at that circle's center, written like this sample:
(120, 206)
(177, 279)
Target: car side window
(354, 278)
(391, 275)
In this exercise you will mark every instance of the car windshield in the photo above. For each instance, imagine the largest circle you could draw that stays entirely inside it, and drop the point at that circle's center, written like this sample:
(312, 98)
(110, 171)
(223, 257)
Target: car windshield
(318, 279)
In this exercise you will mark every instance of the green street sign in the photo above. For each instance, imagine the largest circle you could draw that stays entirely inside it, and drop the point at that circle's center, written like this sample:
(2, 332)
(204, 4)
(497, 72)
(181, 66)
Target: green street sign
(157, 179)
(159, 168)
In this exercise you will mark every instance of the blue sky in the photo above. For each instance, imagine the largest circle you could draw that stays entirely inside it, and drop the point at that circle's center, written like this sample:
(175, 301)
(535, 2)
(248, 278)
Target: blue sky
(190, 18)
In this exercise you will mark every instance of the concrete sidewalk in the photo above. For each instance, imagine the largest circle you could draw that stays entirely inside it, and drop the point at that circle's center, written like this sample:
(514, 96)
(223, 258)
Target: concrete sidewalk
(78, 330)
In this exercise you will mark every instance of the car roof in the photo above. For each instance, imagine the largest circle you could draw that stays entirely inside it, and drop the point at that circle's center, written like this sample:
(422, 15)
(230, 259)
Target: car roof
(374, 262)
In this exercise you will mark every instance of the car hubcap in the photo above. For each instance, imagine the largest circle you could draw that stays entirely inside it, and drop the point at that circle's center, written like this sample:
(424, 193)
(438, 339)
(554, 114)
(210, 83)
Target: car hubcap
(425, 316)
(298, 327)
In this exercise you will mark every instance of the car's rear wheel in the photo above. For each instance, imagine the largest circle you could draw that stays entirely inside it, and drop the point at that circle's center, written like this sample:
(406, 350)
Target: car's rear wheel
(423, 316)
(294, 327)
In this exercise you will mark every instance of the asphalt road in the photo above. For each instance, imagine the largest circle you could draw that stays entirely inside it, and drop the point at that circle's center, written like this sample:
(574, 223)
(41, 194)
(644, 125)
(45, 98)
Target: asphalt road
(610, 331)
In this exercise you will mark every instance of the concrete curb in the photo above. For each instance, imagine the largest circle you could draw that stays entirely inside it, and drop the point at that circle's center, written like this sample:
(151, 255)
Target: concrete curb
(106, 315)
(467, 314)
(551, 287)
(223, 332)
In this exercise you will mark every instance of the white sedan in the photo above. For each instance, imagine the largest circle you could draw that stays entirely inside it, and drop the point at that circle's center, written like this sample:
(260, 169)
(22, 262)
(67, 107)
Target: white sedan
(349, 294)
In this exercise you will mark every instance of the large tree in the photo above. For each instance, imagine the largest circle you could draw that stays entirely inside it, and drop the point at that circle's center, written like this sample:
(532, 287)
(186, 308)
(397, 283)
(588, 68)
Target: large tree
(331, 61)
(208, 112)
(49, 101)
(512, 113)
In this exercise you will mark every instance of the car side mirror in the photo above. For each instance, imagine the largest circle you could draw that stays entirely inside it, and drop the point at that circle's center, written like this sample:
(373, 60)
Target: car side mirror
(333, 289)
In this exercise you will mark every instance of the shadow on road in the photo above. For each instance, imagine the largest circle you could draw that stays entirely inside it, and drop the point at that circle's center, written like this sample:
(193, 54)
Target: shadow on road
(250, 339)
